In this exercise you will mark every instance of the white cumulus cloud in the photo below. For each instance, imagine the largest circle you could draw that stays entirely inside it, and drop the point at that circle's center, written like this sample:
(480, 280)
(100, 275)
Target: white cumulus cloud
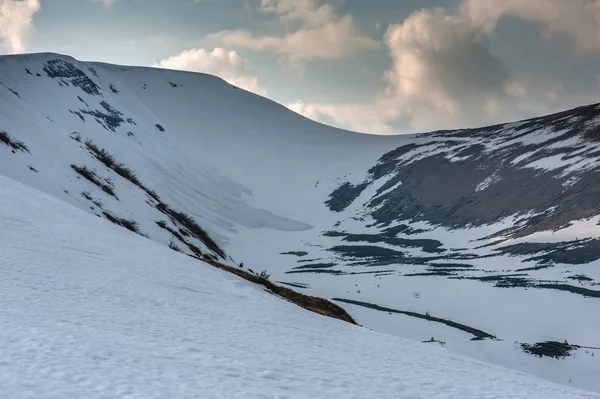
(228, 65)
(579, 19)
(16, 19)
(356, 117)
(444, 75)
(322, 34)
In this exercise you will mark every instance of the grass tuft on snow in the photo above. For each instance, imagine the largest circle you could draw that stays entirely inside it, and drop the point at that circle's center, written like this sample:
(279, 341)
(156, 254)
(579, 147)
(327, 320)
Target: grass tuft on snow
(107, 159)
(16, 145)
(131, 225)
(314, 304)
(92, 177)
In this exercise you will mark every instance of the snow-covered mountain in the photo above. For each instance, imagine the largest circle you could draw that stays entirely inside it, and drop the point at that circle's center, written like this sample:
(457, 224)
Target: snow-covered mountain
(484, 239)
(94, 311)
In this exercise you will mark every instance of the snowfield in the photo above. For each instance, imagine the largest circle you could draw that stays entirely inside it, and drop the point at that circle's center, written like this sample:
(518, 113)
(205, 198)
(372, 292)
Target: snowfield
(494, 228)
(91, 310)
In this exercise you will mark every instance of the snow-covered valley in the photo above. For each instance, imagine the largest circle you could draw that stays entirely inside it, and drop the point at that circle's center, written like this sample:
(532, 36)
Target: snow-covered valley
(494, 229)
(94, 311)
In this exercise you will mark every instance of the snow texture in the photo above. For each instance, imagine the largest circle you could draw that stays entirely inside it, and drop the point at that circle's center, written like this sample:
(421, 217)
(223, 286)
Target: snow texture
(93, 311)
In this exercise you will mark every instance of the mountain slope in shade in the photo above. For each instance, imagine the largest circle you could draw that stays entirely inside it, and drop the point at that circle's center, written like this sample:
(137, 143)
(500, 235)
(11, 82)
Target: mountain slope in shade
(97, 311)
(434, 235)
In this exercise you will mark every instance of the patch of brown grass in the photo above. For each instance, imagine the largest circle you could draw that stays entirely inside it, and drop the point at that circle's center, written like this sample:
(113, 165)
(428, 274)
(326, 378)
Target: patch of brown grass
(314, 304)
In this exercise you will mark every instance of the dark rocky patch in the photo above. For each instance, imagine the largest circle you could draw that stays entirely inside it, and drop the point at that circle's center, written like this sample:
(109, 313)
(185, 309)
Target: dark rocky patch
(401, 229)
(375, 272)
(79, 114)
(370, 255)
(523, 281)
(16, 93)
(308, 260)
(28, 72)
(159, 127)
(458, 266)
(113, 88)
(61, 69)
(503, 281)
(429, 246)
(335, 234)
(317, 271)
(110, 120)
(344, 195)
(553, 349)
(434, 273)
(315, 266)
(570, 288)
(367, 251)
(431, 192)
(534, 268)
(81, 99)
(295, 253)
(569, 252)
(580, 278)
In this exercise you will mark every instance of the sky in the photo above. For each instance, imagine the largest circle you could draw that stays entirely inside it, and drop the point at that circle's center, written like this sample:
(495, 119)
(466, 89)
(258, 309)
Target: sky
(374, 66)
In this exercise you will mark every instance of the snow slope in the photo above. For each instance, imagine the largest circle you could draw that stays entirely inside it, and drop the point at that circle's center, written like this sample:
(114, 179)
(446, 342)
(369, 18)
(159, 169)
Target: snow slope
(494, 228)
(91, 310)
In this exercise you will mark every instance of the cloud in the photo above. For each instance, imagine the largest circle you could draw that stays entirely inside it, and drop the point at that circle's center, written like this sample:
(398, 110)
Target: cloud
(321, 33)
(360, 118)
(16, 20)
(228, 65)
(442, 70)
(107, 3)
(579, 19)
(443, 75)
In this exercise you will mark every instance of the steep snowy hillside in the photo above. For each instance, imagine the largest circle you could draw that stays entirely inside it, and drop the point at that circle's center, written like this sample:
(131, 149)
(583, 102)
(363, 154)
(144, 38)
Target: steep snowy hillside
(488, 234)
(93, 311)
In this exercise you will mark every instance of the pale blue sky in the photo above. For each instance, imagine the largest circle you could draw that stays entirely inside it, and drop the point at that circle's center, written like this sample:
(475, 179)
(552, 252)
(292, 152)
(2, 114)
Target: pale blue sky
(394, 66)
